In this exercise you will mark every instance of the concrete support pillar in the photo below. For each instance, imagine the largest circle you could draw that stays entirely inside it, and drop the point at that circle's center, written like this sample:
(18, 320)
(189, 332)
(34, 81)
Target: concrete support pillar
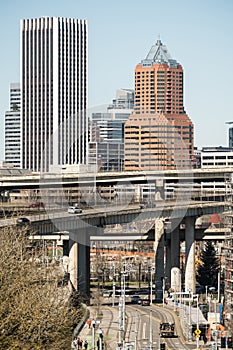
(159, 257)
(168, 265)
(176, 279)
(159, 268)
(73, 263)
(175, 247)
(84, 270)
(79, 266)
(190, 273)
(175, 260)
(66, 248)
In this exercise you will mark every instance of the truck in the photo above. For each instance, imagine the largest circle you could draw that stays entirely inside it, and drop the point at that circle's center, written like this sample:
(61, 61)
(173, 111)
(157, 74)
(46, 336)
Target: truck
(167, 330)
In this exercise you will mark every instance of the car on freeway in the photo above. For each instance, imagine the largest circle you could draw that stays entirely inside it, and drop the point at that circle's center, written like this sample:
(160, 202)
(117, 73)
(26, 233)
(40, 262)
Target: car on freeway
(37, 205)
(107, 294)
(74, 210)
(23, 221)
(135, 299)
(144, 302)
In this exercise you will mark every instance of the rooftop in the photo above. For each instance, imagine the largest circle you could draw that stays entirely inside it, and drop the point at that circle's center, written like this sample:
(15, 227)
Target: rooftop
(159, 54)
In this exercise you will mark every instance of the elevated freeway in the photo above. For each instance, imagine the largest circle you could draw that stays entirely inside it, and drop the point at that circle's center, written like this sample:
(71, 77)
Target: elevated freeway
(93, 222)
(10, 180)
(179, 197)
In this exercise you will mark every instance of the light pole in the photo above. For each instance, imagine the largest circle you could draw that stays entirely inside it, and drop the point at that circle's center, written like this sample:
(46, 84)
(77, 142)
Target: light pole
(150, 271)
(151, 335)
(93, 335)
(190, 324)
(197, 320)
(113, 285)
(100, 338)
(197, 332)
(163, 290)
(121, 329)
(151, 284)
(216, 329)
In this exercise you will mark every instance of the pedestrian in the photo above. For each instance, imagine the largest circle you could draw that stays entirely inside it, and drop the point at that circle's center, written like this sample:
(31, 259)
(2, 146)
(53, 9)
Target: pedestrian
(75, 343)
(85, 344)
(89, 323)
(80, 343)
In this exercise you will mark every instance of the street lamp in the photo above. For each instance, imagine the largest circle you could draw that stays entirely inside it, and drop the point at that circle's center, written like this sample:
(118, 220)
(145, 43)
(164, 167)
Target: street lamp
(190, 324)
(121, 329)
(150, 282)
(197, 331)
(163, 290)
(151, 335)
(93, 335)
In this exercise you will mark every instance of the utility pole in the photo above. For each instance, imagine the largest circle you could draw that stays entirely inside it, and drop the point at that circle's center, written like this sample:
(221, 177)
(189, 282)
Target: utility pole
(121, 327)
(93, 335)
(151, 335)
(190, 323)
(163, 289)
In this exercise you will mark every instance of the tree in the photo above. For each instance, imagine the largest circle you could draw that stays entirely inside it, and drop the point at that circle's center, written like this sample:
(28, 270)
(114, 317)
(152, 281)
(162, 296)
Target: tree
(208, 269)
(35, 312)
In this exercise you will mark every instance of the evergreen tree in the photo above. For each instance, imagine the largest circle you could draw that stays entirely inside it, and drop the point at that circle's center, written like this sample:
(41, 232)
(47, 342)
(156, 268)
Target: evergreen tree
(207, 271)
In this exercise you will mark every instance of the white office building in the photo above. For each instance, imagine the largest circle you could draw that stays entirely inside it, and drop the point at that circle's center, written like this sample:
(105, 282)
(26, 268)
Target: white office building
(54, 59)
(12, 127)
(212, 157)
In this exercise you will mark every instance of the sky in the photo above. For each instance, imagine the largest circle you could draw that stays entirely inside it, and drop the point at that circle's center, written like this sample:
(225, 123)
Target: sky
(197, 33)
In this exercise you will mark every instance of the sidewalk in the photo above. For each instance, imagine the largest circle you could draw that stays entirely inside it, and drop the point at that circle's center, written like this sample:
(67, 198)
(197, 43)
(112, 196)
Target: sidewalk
(106, 322)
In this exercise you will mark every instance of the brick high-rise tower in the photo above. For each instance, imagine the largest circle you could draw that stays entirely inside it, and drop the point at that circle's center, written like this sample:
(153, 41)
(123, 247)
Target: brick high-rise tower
(163, 134)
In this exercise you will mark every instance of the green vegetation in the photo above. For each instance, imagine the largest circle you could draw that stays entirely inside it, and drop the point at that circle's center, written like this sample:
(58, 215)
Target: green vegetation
(35, 312)
(208, 269)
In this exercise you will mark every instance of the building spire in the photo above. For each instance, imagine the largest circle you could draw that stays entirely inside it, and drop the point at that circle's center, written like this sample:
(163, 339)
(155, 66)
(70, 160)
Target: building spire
(159, 54)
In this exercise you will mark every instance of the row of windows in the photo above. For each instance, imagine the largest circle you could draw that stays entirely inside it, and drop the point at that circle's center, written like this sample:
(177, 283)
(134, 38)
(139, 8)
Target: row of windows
(216, 157)
(219, 163)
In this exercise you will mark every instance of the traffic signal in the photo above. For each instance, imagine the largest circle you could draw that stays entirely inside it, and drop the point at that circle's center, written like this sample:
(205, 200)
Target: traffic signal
(162, 346)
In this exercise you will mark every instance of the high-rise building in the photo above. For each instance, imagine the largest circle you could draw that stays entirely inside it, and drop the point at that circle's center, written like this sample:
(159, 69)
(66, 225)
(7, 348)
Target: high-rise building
(106, 146)
(230, 138)
(53, 92)
(124, 100)
(159, 133)
(12, 127)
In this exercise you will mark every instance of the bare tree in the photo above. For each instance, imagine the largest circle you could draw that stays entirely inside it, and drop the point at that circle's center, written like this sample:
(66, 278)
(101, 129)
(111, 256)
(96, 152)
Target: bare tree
(35, 311)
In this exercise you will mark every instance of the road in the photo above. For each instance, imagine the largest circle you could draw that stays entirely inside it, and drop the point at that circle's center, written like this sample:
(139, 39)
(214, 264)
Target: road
(142, 328)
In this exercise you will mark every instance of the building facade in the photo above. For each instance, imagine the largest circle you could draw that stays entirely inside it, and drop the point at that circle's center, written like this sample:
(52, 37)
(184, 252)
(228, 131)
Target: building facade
(106, 146)
(164, 139)
(216, 157)
(53, 92)
(12, 128)
(231, 137)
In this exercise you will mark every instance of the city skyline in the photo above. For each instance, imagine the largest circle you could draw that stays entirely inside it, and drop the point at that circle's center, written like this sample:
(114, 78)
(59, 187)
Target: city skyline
(120, 36)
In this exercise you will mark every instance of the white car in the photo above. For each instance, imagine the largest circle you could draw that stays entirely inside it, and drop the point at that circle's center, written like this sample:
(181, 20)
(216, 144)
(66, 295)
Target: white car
(74, 210)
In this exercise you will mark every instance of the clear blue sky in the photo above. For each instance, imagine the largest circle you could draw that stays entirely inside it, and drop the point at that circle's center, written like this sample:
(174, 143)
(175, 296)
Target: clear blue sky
(198, 33)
